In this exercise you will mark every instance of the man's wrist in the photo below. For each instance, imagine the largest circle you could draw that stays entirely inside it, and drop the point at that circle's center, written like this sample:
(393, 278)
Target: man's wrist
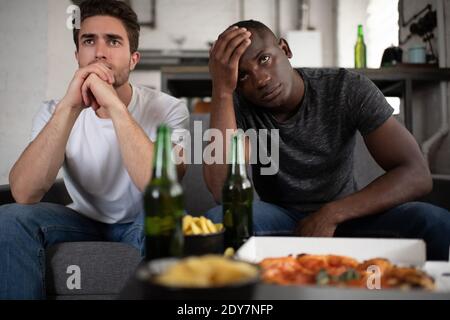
(118, 111)
(63, 107)
(334, 212)
(65, 103)
(218, 93)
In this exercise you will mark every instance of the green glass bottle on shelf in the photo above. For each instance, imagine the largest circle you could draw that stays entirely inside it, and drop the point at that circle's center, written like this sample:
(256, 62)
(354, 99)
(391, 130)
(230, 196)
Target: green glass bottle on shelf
(237, 197)
(360, 50)
(163, 203)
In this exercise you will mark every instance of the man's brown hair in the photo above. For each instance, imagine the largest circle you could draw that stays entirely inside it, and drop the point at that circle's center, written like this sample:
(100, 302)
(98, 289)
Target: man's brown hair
(112, 8)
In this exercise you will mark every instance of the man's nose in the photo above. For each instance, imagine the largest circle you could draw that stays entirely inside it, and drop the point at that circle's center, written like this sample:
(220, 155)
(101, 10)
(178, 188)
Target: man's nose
(100, 50)
(262, 79)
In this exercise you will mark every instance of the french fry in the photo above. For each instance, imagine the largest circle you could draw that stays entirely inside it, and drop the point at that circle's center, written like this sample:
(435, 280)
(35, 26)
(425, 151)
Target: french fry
(203, 225)
(212, 228)
(195, 228)
(186, 222)
(200, 225)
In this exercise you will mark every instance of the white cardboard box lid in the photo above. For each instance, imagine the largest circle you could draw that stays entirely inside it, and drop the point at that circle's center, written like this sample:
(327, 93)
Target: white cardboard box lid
(401, 251)
(440, 271)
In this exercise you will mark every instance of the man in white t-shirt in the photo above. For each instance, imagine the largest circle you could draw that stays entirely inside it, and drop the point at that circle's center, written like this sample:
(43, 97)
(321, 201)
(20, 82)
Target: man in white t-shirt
(102, 132)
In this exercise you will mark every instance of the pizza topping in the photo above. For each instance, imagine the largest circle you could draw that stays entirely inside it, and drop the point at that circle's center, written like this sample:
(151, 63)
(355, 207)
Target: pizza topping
(306, 269)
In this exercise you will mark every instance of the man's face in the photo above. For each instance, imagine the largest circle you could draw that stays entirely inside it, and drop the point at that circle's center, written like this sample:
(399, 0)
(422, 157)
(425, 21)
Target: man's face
(105, 39)
(265, 74)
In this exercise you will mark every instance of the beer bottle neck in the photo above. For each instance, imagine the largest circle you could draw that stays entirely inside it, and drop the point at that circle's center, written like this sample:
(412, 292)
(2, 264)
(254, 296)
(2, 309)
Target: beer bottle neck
(163, 166)
(360, 33)
(238, 167)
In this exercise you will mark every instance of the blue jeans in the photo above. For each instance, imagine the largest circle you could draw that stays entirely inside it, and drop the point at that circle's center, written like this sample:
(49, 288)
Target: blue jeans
(414, 220)
(27, 230)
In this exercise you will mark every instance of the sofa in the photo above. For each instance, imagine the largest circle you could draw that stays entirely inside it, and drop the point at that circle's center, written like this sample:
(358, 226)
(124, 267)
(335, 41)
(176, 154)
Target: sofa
(106, 266)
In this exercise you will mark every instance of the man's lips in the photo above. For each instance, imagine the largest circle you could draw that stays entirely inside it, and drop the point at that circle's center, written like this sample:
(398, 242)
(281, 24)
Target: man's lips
(272, 93)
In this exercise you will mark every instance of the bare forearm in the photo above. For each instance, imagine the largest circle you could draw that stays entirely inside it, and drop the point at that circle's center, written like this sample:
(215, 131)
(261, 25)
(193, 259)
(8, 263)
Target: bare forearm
(224, 68)
(222, 118)
(36, 169)
(399, 185)
(136, 148)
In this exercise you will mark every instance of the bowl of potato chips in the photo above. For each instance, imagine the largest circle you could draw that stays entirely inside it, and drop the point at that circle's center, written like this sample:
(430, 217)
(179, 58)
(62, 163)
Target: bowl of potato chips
(202, 236)
(199, 277)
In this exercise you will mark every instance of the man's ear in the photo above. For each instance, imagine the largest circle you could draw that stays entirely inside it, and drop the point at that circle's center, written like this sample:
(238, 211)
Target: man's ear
(77, 57)
(135, 57)
(285, 47)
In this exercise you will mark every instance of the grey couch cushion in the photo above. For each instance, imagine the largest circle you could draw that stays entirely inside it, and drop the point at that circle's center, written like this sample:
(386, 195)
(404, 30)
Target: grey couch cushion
(197, 198)
(104, 267)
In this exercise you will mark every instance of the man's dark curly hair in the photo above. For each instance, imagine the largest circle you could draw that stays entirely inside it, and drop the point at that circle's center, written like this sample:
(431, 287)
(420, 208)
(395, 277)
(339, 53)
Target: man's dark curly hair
(112, 8)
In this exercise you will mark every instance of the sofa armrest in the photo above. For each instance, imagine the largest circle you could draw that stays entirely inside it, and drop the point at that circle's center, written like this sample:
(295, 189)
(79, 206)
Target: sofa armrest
(57, 194)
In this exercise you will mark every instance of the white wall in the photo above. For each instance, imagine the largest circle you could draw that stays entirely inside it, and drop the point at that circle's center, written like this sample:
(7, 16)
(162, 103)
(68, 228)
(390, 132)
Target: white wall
(323, 18)
(23, 74)
(198, 20)
(61, 50)
(201, 21)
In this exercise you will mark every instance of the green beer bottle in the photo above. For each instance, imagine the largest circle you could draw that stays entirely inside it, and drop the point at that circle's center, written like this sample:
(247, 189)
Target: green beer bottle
(360, 50)
(163, 203)
(237, 197)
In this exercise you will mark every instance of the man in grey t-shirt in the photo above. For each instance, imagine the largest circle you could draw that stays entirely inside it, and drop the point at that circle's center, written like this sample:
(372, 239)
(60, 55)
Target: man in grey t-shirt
(317, 113)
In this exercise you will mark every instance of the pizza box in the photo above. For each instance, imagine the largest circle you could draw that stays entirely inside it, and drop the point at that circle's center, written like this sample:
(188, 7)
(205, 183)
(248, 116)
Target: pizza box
(440, 271)
(400, 251)
(404, 252)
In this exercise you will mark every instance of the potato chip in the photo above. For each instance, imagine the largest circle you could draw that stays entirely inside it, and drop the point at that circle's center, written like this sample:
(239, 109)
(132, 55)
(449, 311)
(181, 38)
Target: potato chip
(207, 271)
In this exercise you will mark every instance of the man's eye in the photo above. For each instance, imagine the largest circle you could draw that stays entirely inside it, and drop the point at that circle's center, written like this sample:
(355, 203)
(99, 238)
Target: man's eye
(264, 59)
(114, 42)
(88, 41)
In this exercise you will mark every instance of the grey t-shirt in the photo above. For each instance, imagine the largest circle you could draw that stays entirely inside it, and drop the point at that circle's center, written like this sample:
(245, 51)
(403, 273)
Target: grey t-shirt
(316, 144)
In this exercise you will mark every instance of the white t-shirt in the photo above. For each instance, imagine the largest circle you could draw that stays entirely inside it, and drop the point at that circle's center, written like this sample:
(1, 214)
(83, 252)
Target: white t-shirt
(94, 173)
